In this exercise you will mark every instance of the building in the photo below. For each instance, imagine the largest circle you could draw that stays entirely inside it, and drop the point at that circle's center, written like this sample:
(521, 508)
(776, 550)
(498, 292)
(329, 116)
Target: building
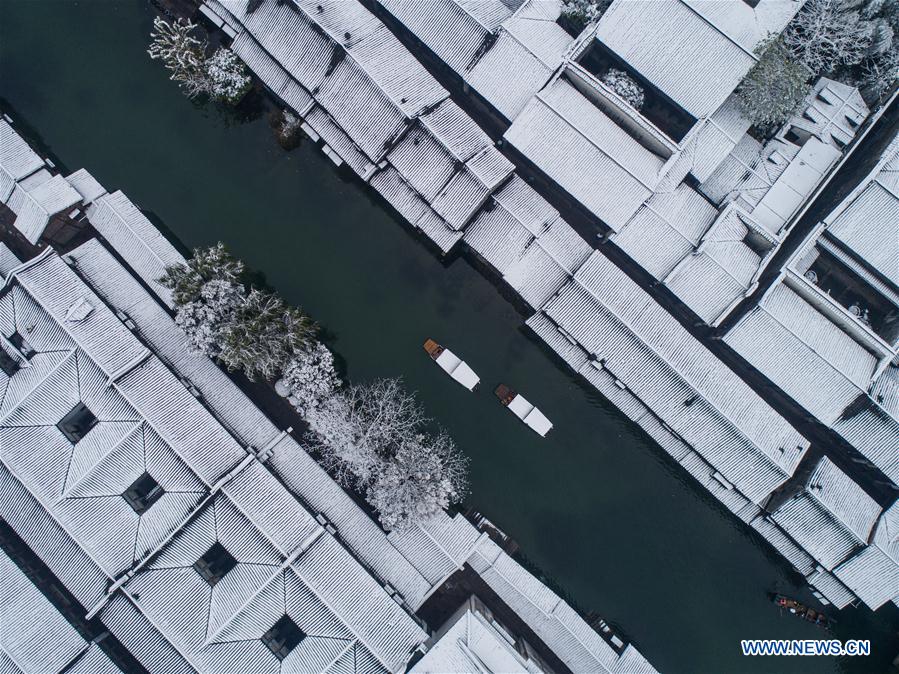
(759, 191)
(30, 190)
(832, 320)
(46, 641)
(825, 333)
(473, 641)
(723, 433)
(849, 544)
(201, 536)
(481, 42)
(373, 106)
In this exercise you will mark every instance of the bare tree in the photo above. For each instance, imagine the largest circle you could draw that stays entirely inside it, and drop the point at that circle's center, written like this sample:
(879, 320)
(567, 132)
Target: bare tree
(426, 474)
(223, 76)
(336, 439)
(823, 36)
(364, 423)
(374, 437)
(181, 53)
(880, 74)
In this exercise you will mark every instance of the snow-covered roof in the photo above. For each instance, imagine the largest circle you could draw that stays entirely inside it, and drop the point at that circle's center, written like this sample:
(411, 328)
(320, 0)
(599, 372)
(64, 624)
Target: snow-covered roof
(454, 29)
(832, 111)
(36, 199)
(666, 229)
(871, 423)
(349, 60)
(830, 517)
(701, 399)
(865, 222)
(695, 51)
(715, 137)
(8, 260)
(803, 352)
(412, 206)
(527, 242)
(723, 269)
(579, 647)
(448, 160)
(17, 159)
(873, 574)
(413, 561)
(484, 41)
(289, 461)
(367, 98)
(474, 644)
(587, 153)
(147, 423)
(135, 238)
(795, 184)
(773, 181)
(86, 185)
(35, 637)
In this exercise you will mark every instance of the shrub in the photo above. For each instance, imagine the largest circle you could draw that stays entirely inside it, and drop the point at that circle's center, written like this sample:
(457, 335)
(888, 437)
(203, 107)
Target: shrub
(576, 14)
(624, 85)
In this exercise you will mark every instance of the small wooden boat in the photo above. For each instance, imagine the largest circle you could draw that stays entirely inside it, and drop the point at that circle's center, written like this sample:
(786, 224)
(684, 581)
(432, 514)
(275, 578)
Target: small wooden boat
(524, 410)
(454, 366)
(803, 611)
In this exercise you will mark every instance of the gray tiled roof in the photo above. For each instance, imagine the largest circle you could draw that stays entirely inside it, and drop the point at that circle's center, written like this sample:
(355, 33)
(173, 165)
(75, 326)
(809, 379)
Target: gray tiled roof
(147, 422)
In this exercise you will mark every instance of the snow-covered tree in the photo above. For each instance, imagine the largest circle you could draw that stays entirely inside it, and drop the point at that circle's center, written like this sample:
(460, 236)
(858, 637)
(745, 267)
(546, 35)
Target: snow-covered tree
(578, 13)
(425, 475)
(181, 53)
(207, 317)
(373, 437)
(222, 76)
(250, 330)
(227, 75)
(363, 423)
(625, 86)
(262, 335)
(335, 438)
(824, 36)
(310, 376)
(774, 86)
(207, 264)
(880, 74)
(288, 127)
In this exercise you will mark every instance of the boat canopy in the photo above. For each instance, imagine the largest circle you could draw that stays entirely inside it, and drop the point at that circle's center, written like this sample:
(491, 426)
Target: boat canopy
(457, 369)
(538, 422)
(530, 415)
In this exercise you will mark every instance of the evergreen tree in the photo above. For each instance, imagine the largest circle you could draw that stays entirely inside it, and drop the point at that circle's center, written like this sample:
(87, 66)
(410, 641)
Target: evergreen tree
(774, 86)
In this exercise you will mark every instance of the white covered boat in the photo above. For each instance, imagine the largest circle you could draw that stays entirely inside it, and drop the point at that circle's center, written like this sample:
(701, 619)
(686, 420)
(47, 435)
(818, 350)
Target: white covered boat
(524, 410)
(454, 366)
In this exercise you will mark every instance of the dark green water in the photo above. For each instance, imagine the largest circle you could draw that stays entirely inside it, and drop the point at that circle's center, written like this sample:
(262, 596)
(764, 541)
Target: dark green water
(596, 505)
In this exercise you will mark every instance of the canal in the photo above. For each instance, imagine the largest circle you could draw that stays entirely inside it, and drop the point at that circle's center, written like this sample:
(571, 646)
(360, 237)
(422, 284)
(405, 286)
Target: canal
(596, 506)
